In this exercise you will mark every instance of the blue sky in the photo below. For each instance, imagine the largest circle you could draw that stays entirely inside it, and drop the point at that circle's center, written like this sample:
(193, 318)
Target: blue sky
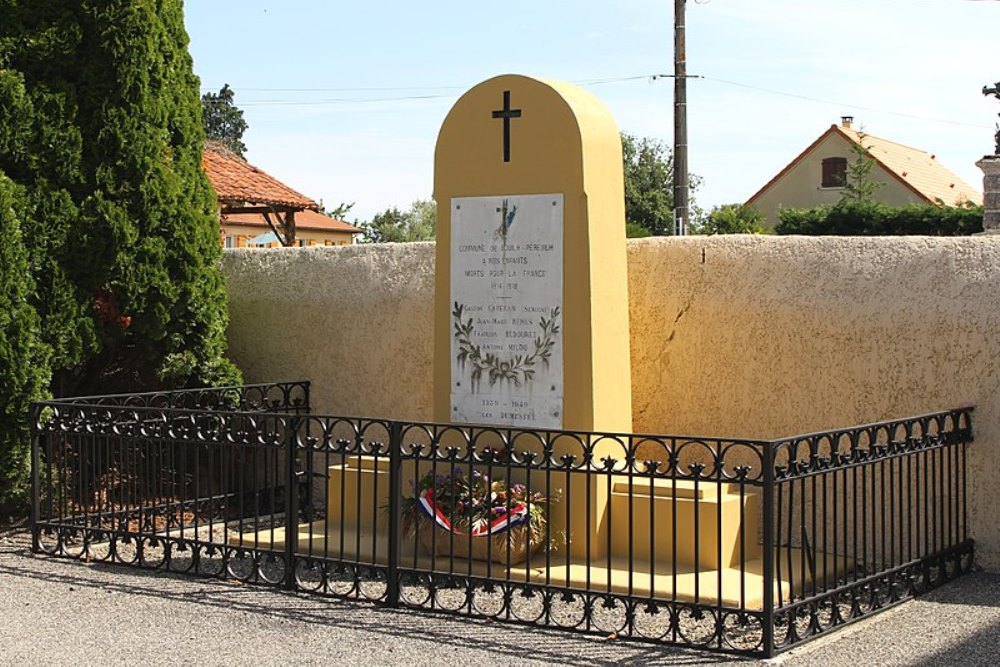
(344, 99)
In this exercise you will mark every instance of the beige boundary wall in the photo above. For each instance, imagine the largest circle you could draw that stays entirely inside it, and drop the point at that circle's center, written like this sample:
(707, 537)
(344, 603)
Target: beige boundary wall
(731, 335)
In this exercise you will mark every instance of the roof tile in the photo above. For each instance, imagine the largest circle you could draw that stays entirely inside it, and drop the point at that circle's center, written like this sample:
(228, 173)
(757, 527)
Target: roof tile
(918, 169)
(236, 181)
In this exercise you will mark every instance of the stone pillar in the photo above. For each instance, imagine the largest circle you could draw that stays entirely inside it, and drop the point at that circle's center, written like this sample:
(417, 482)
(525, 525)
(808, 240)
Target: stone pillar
(531, 304)
(991, 193)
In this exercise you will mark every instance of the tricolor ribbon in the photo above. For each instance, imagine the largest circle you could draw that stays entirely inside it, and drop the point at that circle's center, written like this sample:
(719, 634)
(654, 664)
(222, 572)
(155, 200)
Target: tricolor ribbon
(505, 520)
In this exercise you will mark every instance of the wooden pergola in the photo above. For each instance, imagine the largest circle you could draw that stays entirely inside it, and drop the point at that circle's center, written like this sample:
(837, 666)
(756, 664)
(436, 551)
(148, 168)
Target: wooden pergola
(243, 188)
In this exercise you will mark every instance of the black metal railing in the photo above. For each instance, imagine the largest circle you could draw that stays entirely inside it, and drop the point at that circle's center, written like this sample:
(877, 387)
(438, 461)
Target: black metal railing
(262, 397)
(747, 546)
(880, 509)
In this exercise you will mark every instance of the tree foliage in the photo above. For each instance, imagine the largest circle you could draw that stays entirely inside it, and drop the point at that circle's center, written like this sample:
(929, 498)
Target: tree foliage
(102, 131)
(649, 199)
(636, 231)
(223, 120)
(732, 219)
(649, 181)
(339, 212)
(417, 223)
(860, 186)
(867, 218)
(24, 359)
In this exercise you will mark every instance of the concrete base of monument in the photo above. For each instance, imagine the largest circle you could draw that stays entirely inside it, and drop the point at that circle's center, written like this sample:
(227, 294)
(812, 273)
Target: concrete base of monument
(660, 537)
(701, 524)
(664, 580)
(660, 519)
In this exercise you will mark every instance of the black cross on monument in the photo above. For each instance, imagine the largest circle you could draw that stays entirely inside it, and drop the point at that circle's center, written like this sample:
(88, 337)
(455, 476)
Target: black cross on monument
(506, 113)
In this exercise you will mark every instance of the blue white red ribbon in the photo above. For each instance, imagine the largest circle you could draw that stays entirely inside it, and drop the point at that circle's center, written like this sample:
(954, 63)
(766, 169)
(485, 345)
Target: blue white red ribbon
(504, 521)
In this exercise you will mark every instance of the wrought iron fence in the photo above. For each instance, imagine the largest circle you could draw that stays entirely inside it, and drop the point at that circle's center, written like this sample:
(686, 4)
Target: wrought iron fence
(881, 509)
(290, 397)
(746, 546)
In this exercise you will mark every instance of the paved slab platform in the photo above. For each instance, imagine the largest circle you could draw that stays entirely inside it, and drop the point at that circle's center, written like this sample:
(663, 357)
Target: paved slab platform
(64, 612)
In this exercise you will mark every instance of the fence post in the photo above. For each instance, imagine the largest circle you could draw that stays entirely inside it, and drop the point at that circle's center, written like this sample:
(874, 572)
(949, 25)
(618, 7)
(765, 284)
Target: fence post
(395, 474)
(308, 398)
(767, 551)
(291, 501)
(36, 495)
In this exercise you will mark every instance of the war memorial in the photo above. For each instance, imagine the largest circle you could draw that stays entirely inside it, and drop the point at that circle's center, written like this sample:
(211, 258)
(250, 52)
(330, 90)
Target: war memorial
(504, 424)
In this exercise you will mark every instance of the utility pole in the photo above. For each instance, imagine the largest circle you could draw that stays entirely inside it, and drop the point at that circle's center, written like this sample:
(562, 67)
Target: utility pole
(681, 213)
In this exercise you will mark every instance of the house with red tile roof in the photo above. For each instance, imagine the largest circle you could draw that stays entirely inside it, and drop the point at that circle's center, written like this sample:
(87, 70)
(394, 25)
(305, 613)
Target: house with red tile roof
(817, 176)
(255, 205)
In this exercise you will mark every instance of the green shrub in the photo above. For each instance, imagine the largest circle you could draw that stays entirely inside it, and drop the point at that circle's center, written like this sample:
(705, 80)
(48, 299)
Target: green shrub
(867, 218)
(636, 231)
(732, 219)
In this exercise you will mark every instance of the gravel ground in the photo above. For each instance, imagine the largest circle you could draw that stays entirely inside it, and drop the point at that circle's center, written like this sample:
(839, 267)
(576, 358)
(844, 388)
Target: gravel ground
(68, 612)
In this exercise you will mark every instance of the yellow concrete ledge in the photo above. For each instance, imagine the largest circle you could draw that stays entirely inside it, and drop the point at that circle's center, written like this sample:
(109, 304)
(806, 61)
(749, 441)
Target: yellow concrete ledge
(664, 581)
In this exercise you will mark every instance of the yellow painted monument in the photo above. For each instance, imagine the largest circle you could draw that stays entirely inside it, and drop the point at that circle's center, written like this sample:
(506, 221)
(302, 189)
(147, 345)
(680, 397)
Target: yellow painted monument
(531, 296)
(531, 301)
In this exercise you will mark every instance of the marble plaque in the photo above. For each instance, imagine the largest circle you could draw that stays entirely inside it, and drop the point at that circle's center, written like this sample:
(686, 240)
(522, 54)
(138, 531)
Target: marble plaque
(506, 310)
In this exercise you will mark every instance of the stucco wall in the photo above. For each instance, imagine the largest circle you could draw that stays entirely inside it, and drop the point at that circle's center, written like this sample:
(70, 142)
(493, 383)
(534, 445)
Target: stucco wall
(731, 336)
(801, 186)
(356, 320)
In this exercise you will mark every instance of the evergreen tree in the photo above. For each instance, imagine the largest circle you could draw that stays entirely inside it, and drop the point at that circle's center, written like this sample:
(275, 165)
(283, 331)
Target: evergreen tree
(118, 216)
(24, 370)
(223, 120)
(860, 185)
(339, 212)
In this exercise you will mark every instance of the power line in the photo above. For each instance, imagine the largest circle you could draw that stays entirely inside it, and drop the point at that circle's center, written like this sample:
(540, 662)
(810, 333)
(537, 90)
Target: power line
(582, 82)
(395, 98)
(347, 90)
(341, 100)
(842, 104)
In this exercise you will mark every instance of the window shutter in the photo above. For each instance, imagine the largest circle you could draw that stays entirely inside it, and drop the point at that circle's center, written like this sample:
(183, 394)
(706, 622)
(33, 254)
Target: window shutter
(834, 172)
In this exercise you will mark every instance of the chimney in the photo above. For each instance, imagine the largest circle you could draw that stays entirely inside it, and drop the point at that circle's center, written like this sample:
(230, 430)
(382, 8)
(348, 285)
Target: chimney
(846, 121)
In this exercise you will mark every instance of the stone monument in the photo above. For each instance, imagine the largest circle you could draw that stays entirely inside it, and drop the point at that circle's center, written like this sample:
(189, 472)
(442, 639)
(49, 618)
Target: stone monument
(531, 300)
(531, 295)
(990, 164)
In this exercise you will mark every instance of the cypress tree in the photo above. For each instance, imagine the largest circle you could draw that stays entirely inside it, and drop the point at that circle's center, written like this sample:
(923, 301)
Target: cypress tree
(23, 358)
(119, 219)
